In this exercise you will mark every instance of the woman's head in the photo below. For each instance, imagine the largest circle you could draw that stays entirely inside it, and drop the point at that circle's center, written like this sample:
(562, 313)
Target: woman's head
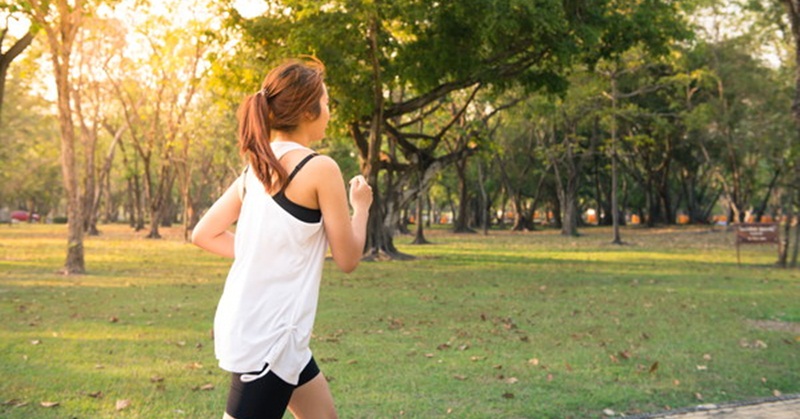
(290, 96)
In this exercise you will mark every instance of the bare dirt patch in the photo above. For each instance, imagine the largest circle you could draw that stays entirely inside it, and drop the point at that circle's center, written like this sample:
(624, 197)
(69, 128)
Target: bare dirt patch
(776, 325)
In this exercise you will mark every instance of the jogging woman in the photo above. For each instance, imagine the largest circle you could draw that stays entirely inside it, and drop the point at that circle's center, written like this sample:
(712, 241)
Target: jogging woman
(289, 205)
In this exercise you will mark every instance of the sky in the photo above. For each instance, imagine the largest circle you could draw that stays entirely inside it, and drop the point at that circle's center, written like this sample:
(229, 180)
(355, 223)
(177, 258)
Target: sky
(247, 8)
(250, 8)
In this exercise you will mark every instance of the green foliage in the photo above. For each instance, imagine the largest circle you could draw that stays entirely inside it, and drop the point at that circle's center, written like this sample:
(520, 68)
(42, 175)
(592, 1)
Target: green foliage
(425, 46)
(651, 24)
(30, 174)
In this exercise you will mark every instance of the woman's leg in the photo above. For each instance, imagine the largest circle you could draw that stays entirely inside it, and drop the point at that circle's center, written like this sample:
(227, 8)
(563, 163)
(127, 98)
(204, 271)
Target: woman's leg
(264, 398)
(313, 400)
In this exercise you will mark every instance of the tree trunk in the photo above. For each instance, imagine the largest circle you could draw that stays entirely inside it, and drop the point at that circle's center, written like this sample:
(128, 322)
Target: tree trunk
(155, 222)
(379, 244)
(763, 207)
(135, 198)
(793, 9)
(796, 250)
(460, 224)
(567, 192)
(430, 210)
(61, 30)
(522, 219)
(569, 224)
(419, 236)
(783, 247)
(89, 183)
(188, 206)
(5, 62)
(74, 263)
(602, 208)
(665, 198)
(130, 206)
(485, 204)
(614, 158)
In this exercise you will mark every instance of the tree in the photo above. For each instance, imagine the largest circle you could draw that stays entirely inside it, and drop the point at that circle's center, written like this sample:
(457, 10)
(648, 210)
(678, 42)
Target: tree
(653, 26)
(793, 12)
(571, 142)
(517, 154)
(157, 94)
(99, 41)
(429, 51)
(60, 20)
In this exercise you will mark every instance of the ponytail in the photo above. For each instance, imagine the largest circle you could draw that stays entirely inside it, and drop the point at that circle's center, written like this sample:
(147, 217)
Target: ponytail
(254, 141)
(289, 95)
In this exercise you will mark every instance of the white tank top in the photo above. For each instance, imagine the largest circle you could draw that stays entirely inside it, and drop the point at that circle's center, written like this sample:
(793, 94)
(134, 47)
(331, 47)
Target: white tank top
(267, 309)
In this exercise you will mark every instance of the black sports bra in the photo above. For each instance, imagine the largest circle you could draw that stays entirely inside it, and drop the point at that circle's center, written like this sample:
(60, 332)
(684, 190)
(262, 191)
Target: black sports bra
(308, 215)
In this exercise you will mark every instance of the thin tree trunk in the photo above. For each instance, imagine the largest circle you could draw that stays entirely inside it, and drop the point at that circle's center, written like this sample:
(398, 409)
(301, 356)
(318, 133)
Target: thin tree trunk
(614, 171)
(796, 250)
(429, 210)
(130, 206)
(419, 235)
(90, 185)
(484, 201)
(763, 207)
(783, 247)
(460, 222)
(103, 183)
(5, 62)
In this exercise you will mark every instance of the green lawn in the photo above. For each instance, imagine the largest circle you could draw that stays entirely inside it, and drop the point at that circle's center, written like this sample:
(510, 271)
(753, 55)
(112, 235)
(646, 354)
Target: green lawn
(528, 325)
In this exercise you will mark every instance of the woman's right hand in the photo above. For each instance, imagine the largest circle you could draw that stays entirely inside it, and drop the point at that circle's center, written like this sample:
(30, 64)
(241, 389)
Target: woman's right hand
(347, 234)
(360, 193)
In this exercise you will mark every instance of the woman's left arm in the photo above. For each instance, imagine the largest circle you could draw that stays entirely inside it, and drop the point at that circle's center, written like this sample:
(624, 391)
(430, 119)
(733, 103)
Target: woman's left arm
(211, 232)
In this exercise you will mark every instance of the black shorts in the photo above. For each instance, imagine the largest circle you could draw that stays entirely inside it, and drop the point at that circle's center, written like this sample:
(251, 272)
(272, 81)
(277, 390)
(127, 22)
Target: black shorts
(266, 397)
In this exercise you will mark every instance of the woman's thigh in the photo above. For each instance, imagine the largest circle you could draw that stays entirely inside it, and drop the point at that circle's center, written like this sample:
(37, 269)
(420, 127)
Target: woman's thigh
(266, 397)
(313, 400)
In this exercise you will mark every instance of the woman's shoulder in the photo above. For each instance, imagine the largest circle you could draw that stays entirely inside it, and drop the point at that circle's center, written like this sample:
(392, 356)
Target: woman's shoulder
(323, 164)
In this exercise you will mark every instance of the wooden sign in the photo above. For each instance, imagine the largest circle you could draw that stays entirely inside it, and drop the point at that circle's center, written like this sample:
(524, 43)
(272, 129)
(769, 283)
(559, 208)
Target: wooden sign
(756, 233)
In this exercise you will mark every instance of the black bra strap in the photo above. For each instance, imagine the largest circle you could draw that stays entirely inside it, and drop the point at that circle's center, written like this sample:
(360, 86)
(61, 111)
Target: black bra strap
(297, 169)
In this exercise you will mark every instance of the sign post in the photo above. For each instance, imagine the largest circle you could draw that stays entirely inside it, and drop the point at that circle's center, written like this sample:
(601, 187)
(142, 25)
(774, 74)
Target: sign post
(756, 233)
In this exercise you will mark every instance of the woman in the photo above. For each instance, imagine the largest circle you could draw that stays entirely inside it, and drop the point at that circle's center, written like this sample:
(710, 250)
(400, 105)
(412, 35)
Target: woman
(290, 204)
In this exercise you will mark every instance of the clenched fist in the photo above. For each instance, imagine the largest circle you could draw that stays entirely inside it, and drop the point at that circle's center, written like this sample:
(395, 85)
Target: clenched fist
(360, 193)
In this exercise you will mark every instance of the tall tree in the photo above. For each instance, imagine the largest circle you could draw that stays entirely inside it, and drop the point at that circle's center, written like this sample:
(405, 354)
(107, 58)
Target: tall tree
(157, 93)
(651, 25)
(793, 11)
(60, 20)
(99, 41)
(571, 142)
(522, 163)
(429, 50)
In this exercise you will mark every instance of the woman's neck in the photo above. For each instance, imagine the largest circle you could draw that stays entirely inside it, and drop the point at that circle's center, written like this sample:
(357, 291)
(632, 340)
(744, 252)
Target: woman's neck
(278, 136)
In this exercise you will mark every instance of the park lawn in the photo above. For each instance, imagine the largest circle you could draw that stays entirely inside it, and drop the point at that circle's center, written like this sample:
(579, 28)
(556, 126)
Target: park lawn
(510, 325)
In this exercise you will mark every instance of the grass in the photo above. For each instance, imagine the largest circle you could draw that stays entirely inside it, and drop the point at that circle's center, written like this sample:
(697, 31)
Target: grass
(531, 325)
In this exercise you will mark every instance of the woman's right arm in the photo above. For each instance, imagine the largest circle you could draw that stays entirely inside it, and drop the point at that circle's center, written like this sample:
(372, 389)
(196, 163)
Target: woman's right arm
(211, 232)
(346, 235)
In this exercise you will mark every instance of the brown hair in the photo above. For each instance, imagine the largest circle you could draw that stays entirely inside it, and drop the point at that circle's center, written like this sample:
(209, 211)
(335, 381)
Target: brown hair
(289, 95)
